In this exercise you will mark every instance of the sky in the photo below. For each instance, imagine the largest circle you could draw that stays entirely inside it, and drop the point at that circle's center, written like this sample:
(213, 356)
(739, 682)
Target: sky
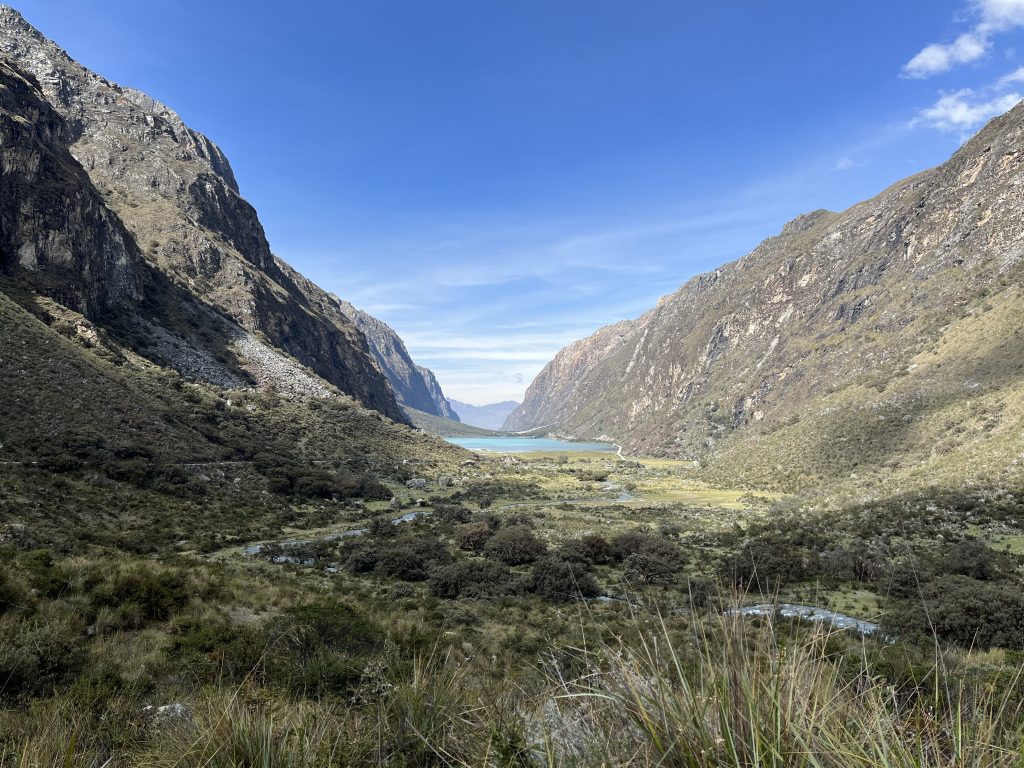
(496, 179)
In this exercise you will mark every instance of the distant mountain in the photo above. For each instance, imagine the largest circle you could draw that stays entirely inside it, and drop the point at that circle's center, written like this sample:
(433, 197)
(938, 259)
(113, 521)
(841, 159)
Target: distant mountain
(177, 242)
(485, 416)
(877, 343)
(415, 386)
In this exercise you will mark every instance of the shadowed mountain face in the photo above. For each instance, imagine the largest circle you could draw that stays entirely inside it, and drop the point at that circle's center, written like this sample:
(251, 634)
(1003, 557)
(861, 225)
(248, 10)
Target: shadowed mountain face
(859, 341)
(490, 416)
(174, 194)
(415, 386)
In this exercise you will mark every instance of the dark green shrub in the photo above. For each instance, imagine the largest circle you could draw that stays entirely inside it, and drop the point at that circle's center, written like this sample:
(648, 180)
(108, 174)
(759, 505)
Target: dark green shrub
(515, 546)
(37, 656)
(649, 569)
(962, 610)
(973, 558)
(473, 578)
(639, 542)
(156, 593)
(589, 549)
(472, 537)
(555, 579)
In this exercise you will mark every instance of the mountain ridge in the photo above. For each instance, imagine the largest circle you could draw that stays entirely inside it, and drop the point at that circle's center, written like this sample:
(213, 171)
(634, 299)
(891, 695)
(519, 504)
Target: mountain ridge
(490, 416)
(838, 313)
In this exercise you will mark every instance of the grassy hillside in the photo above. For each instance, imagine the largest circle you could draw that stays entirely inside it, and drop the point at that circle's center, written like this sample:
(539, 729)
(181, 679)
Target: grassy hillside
(95, 435)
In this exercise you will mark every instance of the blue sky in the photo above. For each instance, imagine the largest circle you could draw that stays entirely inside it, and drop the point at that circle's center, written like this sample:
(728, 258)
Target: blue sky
(496, 179)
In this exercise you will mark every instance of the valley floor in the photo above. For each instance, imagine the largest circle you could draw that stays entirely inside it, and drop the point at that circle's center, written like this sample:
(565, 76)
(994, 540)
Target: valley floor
(539, 609)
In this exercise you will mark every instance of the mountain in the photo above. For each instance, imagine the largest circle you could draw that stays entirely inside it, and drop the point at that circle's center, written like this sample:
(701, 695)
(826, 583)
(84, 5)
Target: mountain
(415, 386)
(485, 416)
(881, 343)
(171, 191)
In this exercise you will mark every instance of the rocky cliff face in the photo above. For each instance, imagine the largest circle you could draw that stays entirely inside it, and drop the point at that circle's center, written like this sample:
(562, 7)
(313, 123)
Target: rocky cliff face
(415, 386)
(861, 338)
(54, 227)
(174, 191)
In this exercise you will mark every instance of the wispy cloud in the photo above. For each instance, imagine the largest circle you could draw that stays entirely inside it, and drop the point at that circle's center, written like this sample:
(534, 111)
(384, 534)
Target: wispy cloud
(965, 110)
(991, 17)
(846, 164)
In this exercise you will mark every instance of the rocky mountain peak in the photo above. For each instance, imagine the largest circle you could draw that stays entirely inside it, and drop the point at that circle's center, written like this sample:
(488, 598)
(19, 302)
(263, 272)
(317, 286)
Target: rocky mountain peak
(175, 196)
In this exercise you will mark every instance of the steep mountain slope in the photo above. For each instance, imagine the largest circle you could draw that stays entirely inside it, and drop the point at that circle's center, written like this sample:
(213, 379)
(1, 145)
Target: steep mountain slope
(886, 339)
(175, 193)
(99, 442)
(490, 416)
(415, 386)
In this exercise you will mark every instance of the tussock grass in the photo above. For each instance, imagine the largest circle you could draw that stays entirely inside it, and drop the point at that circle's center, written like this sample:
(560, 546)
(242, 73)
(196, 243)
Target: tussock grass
(728, 692)
(744, 695)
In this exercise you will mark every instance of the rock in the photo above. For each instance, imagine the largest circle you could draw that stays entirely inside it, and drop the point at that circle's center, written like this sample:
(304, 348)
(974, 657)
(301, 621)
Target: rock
(175, 715)
(171, 190)
(416, 484)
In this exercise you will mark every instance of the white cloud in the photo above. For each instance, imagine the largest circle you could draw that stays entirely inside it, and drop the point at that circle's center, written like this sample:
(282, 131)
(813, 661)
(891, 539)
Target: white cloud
(965, 110)
(999, 15)
(1017, 76)
(993, 17)
(937, 58)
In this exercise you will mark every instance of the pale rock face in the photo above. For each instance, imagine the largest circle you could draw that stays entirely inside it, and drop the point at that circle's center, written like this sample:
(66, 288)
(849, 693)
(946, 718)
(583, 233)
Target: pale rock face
(833, 301)
(415, 386)
(177, 197)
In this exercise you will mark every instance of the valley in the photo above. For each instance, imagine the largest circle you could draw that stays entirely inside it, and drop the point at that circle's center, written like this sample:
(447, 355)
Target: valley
(775, 520)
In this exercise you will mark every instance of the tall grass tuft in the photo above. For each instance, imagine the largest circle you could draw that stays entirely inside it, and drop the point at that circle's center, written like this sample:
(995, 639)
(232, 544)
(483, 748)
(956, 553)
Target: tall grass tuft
(752, 695)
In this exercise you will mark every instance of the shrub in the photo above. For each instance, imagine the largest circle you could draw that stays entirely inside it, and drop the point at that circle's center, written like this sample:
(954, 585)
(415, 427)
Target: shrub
(410, 560)
(587, 550)
(649, 569)
(13, 592)
(555, 579)
(515, 546)
(473, 536)
(156, 593)
(973, 558)
(452, 513)
(36, 656)
(640, 543)
(965, 611)
(473, 578)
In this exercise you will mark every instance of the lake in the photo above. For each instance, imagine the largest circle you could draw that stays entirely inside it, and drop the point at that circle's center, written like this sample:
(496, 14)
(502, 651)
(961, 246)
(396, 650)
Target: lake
(526, 444)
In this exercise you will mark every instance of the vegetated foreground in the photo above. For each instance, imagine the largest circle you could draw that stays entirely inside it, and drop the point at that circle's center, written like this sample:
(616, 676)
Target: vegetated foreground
(499, 610)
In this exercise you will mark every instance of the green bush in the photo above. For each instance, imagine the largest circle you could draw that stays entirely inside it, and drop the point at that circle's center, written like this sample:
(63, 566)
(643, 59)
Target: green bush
(473, 578)
(472, 537)
(555, 579)
(516, 545)
(962, 610)
(38, 655)
(156, 593)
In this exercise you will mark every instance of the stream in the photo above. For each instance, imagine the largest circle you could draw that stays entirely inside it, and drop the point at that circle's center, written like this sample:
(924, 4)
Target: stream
(808, 613)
